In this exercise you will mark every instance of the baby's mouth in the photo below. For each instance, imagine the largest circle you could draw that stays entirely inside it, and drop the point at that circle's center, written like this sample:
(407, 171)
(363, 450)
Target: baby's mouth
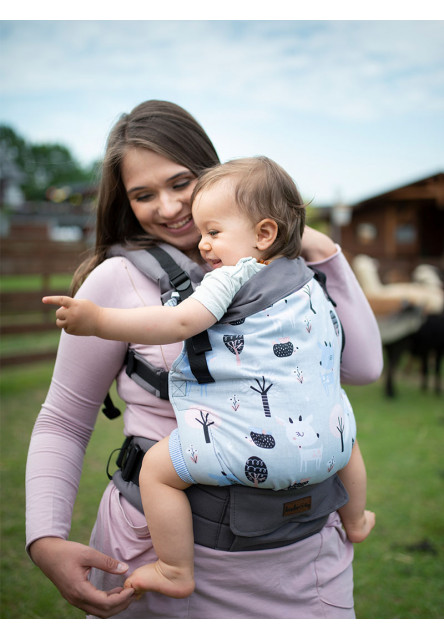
(216, 263)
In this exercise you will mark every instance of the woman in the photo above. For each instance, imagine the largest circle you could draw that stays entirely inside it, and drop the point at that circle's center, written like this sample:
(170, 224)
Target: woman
(153, 157)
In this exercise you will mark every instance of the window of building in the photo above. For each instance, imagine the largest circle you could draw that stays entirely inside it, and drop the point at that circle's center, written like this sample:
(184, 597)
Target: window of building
(366, 232)
(405, 233)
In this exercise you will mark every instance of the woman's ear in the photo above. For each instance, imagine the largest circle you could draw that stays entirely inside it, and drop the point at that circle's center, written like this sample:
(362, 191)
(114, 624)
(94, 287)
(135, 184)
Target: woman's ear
(266, 232)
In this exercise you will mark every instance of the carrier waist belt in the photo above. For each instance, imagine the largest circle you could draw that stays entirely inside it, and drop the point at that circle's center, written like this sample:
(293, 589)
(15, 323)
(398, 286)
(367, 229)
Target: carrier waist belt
(238, 518)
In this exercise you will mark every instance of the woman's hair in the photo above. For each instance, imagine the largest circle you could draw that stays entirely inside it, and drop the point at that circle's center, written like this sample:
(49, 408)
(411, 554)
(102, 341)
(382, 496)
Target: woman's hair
(262, 189)
(156, 125)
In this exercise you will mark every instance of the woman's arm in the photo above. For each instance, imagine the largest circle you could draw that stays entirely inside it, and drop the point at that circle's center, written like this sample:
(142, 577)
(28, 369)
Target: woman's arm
(145, 325)
(83, 373)
(54, 466)
(316, 246)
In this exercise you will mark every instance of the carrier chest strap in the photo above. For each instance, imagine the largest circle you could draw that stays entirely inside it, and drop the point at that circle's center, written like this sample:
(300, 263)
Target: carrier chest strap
(152, 379)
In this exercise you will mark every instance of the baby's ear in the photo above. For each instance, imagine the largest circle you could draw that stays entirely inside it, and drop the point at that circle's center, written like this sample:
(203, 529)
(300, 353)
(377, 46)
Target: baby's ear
(266, 232)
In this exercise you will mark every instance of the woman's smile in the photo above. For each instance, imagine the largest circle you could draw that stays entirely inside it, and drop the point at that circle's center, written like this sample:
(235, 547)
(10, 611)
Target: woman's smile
(180, 224)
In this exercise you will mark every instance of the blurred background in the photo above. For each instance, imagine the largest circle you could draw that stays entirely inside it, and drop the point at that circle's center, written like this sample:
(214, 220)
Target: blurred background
(354, 111)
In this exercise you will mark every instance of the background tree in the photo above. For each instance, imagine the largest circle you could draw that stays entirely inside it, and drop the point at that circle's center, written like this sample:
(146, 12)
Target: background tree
(41, 165)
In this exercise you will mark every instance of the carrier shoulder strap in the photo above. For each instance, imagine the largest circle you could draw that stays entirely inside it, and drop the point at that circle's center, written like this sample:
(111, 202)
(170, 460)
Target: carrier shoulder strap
(179, 279)
(153, 379)
(197, 345)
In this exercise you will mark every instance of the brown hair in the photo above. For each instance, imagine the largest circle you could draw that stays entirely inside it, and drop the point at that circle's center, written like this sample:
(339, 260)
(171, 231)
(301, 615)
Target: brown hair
(156, 125)
(262, 189)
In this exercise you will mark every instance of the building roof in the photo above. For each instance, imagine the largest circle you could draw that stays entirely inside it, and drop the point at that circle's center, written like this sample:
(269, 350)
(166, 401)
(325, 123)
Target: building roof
(429, 188)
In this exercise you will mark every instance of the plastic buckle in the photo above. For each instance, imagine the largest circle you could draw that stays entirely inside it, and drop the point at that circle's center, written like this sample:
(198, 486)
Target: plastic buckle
(181, 282)
(132, 460)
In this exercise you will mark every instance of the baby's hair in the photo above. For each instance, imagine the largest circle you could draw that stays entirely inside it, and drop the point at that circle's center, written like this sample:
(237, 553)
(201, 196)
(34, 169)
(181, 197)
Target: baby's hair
(262, 189)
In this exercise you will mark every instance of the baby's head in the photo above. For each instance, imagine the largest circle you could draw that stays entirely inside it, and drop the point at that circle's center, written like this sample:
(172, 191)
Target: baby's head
(262, 189)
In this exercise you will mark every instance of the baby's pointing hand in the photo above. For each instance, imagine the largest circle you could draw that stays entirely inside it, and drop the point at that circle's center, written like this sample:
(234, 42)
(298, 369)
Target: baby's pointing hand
(77, 317)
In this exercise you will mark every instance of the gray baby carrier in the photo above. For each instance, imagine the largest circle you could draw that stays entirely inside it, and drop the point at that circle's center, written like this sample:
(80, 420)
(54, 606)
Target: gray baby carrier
(230, 518)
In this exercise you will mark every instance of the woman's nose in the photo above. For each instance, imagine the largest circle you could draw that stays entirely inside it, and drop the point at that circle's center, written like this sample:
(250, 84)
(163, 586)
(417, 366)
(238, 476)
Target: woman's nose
(169, 205)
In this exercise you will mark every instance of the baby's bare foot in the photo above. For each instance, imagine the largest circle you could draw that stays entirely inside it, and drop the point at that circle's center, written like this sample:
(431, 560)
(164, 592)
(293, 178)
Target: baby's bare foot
(175, 582)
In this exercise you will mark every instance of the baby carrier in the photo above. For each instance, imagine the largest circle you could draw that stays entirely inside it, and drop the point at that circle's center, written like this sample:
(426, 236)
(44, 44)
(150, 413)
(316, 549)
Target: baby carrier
(277, 417)
(235, 517)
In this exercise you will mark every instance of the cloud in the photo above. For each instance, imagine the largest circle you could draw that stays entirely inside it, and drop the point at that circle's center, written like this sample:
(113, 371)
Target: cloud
(324, 98)
(351, 69)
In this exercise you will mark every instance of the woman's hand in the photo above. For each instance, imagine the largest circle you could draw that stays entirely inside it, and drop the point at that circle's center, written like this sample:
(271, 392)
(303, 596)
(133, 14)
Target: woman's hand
(67, 564)
(316, 246)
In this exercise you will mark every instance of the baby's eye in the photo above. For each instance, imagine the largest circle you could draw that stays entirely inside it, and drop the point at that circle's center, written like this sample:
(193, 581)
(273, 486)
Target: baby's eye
(213, 233)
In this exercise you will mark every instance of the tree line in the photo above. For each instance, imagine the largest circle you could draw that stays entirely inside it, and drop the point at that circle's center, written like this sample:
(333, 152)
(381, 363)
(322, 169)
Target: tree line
(40, 166)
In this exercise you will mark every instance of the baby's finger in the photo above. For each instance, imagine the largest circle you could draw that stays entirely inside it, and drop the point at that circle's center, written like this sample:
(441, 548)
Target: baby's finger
(60, 301)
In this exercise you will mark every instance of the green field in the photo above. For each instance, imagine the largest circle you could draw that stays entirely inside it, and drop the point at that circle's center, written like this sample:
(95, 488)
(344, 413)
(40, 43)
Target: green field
(33, 283)
(398, 570)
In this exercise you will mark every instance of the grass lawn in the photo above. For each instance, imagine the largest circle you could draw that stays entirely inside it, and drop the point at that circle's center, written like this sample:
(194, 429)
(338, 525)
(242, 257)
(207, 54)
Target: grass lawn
(34, 282)
(25, 591)
(398, 570)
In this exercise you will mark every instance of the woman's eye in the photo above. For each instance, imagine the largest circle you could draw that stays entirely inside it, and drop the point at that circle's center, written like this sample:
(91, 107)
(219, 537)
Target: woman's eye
(144, 197)
(182, 185)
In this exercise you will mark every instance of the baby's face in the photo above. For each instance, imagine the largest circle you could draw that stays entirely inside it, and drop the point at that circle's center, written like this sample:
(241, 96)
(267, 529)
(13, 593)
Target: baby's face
(227, 233)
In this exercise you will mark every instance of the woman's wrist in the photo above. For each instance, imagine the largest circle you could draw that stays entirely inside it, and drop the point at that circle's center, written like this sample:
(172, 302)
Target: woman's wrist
(39, 547)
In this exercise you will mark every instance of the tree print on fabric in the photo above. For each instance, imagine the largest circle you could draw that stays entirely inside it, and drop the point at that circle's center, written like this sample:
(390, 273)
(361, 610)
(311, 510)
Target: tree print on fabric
(307, 290)
(338, 425)
(335, 322)
(256, 470)
(235, 344)
(263, 393)
(206, 424)
(284, 349)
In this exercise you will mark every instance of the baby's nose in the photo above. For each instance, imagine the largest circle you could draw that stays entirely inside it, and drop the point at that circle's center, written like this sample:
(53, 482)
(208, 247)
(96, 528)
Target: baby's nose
(203, 245)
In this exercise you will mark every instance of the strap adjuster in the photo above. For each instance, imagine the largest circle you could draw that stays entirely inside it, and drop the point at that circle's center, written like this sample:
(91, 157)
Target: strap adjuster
(181, 282)
(130, 460)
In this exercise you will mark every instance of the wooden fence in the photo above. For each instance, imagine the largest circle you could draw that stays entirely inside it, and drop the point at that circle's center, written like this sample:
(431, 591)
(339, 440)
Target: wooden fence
(22, 312)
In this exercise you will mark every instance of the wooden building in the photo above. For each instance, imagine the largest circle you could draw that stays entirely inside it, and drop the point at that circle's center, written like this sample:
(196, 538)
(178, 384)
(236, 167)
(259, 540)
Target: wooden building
(400, 228)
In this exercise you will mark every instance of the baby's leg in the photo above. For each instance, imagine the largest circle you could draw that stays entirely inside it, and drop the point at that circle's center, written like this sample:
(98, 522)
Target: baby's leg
(169, 519)
(357, 520)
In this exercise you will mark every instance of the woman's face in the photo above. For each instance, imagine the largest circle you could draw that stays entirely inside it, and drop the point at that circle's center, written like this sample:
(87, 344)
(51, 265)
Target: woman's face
(159, 192)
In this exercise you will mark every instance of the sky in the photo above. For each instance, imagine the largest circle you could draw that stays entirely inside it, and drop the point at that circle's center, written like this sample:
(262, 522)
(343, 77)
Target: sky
(350, 108)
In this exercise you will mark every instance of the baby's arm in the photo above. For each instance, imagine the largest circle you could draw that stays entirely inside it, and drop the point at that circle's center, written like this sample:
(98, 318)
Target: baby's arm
(357, 521)
(145, 325)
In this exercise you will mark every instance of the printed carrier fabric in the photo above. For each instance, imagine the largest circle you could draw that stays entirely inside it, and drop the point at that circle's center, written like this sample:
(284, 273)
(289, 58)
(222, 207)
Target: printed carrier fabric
(276, 416)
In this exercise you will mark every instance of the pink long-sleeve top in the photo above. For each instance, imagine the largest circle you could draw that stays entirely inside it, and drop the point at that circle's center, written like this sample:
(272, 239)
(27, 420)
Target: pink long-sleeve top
(86, 367)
